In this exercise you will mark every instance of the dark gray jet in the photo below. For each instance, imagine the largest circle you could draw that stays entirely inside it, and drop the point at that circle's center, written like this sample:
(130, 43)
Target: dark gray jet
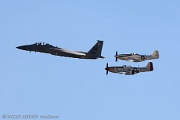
(93, 53)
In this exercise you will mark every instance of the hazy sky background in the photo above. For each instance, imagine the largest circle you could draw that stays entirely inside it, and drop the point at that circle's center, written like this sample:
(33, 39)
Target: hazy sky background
(74, 89)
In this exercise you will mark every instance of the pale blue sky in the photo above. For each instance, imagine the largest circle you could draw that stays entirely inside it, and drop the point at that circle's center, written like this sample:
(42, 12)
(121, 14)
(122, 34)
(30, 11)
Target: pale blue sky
(74, 89)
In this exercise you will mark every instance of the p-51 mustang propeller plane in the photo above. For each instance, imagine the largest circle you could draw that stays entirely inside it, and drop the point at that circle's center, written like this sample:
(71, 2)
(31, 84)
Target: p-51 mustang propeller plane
(129, 70)
(93, 53)
(136, 57)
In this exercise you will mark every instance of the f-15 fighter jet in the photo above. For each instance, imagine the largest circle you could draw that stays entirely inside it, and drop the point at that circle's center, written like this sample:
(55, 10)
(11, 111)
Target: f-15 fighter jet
(129, 70)
(93, 53)
(136, 57)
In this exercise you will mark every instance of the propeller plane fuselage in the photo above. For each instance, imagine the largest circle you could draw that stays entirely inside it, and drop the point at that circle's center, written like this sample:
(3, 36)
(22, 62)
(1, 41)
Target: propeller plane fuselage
(136, 57)
(129, 70)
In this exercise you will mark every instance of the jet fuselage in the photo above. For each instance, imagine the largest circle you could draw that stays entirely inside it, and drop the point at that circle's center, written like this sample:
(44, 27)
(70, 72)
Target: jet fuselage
(94, 53)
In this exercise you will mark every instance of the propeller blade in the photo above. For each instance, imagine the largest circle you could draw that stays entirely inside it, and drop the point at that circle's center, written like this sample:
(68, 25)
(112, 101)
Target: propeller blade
(106, 69)
(116, 56)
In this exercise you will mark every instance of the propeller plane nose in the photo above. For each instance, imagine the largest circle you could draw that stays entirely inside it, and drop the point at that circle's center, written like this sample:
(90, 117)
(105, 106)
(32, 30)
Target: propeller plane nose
(106, 68)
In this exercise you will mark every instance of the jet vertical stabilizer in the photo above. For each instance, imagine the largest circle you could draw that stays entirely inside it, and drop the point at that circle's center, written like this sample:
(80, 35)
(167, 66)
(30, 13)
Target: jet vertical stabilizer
(96, 49)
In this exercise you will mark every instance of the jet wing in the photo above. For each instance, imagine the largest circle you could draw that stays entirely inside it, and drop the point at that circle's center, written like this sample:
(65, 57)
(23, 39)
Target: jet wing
(61, 50)
(72, 52)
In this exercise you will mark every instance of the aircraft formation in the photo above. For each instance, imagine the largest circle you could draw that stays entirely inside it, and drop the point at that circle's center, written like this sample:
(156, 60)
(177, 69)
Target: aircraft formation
(133, 57)
(95, 53)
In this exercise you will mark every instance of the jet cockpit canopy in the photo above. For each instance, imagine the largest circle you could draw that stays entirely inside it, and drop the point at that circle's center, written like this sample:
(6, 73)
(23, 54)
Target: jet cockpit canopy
(42, 43)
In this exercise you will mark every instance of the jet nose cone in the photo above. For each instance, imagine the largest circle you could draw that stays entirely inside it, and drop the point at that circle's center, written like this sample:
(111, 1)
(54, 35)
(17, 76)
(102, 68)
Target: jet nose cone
(21, 47)
(18, 47)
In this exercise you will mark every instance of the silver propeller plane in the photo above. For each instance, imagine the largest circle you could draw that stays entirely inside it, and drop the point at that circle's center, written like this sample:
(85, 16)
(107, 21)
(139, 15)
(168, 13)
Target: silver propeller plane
(93, 53)
(129, 70)
(136, 57)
